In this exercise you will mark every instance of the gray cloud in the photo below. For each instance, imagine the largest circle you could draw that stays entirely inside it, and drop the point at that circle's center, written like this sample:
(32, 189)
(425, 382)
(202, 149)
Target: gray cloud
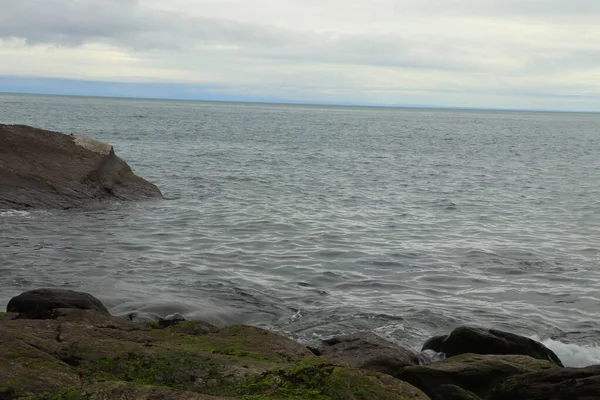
(458, 46)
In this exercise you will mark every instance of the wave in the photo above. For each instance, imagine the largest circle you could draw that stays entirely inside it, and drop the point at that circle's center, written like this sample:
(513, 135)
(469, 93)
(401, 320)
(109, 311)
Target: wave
(574, 355)
(14, 213)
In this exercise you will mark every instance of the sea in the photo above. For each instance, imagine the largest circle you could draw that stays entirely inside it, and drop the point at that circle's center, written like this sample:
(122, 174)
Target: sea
(316, 221)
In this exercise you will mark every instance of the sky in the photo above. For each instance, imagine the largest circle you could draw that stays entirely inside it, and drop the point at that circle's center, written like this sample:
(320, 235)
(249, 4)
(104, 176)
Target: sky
(518, 54)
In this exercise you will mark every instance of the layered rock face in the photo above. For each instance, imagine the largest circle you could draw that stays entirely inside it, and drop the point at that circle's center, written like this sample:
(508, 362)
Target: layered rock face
(51, 170)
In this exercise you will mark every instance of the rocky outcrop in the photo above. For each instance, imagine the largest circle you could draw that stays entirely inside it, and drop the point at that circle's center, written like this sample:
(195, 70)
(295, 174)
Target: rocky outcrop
(369, 351)
(473, 372)
(89, 354)
(555, 384)
(44, 169)
(64, 345)
(41, 303)
(489, 341)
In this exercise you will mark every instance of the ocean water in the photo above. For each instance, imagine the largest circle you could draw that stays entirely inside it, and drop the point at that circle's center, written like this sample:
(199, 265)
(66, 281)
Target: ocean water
(317, 220)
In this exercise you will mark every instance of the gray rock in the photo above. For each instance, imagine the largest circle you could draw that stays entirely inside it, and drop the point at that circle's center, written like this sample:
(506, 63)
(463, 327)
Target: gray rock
(555, 384)
(467, 339)
(44, 169)
(41, 303)
(368, 351)
(473, 372)
(453, 392)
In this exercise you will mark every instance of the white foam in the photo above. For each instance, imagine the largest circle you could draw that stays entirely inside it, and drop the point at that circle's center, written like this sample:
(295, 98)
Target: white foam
(430, 357)
(574, 355)
(14, 213)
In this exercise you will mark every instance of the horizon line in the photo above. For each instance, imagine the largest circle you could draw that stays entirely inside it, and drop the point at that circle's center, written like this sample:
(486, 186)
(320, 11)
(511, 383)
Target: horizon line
(298, 103)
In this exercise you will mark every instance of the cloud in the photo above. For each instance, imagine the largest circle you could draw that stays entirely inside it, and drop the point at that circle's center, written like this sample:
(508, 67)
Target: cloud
(377, 49)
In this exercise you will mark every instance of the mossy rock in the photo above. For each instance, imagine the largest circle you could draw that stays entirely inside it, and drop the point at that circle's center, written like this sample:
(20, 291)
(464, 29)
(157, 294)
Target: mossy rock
(473, 372)
(453, 392)
(466, 339)
(26, 370)
(86, 351)
(122, 390)
(197, 328)
(317, 379)
(555, 384)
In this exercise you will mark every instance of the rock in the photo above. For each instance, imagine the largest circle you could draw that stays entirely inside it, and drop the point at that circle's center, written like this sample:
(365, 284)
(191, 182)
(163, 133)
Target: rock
(44, 169)
(26, 370)
(555, 384)
(261, 340)
(92, 355)
(121, 390)
(41, 303)
(473, 372)
(453, 392)
(368, 351)
(489, 341)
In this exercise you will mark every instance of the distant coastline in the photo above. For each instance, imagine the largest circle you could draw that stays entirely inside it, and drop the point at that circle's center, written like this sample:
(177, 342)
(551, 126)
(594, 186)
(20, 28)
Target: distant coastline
(204, 93)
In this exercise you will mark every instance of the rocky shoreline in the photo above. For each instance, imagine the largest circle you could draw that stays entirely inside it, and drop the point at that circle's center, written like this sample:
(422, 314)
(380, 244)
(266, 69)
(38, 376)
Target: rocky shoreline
(64, 345)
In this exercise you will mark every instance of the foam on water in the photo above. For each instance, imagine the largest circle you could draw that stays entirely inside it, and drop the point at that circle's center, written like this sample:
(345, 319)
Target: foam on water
(14, 213)
(574, 355)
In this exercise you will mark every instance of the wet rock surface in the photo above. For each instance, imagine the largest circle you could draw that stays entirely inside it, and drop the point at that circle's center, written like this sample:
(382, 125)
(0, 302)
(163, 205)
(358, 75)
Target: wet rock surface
(51, 170)
(369, 351)
(556, 384)
(473, 372)
(41, 303)
(489, 341)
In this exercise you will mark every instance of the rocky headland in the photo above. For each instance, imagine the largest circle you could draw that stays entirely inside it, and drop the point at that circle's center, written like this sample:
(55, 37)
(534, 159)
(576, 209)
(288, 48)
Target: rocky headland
(41, 169)
(65, 345)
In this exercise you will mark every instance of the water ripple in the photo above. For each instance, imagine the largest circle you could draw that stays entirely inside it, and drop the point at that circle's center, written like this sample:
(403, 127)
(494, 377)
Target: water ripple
(317, 220)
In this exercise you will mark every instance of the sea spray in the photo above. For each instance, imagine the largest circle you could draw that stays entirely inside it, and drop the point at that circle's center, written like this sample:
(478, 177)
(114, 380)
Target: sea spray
(574, 355)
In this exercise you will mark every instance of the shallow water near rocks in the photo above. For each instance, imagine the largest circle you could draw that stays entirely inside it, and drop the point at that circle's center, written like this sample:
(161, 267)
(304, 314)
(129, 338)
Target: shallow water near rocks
(317, 220)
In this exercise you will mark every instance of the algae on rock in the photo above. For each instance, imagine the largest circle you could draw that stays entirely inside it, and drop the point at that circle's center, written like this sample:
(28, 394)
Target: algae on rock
(83, 354)
(474, 372)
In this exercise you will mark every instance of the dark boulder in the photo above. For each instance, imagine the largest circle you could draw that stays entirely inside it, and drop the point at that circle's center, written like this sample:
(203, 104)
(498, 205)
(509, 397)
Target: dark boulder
(41, 303)
(555, 384)
(453, 392)
(489, 341)
(44, 169)
(473, 372)
(368, 351)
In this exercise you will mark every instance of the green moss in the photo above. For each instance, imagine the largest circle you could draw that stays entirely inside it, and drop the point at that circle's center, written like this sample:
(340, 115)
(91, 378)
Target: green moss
(305, 378)
(151, 324)
(312, 378)
(177, 369)
(2, 314)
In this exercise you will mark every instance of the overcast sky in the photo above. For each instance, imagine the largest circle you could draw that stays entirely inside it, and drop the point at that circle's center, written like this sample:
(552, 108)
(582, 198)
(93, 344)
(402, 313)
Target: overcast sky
(542, 54)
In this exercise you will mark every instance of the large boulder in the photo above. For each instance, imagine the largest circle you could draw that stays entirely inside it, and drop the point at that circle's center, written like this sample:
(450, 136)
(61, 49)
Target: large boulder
(555, 384)
(369, 351)
(41, 303)
(473, 372)
(44, 169)
(467, 339)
